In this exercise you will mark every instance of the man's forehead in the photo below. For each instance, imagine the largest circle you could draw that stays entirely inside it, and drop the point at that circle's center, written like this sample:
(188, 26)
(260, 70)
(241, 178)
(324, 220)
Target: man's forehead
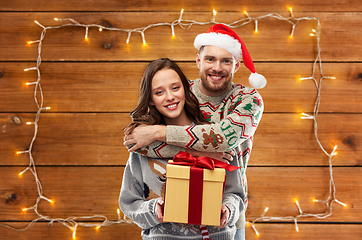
(216, 52)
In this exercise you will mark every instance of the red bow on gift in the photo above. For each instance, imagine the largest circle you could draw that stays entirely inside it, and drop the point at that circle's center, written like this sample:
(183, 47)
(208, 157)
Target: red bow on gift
(184, 158)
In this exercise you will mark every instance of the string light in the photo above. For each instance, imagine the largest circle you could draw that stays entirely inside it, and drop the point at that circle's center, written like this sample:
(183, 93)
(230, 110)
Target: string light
(29, 69)
(74, 222)
(75, 230)
(86, 33)
(119, 214)
(30, 83)
(291, 12)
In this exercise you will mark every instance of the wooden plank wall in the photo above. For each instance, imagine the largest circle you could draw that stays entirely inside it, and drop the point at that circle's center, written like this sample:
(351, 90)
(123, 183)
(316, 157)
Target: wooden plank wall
(92, 85)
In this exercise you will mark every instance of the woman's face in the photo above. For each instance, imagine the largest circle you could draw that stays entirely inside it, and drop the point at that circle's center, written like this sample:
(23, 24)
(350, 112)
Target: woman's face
(168, 96)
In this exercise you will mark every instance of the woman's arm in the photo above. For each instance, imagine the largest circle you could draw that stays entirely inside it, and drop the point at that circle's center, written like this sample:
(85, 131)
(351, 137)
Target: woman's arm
(132, 200)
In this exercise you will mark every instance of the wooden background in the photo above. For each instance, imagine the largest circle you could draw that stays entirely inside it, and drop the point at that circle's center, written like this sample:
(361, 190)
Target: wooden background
(92, 85)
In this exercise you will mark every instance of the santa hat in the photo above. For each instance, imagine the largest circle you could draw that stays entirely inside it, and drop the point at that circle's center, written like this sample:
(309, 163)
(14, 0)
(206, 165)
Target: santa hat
(222, 36)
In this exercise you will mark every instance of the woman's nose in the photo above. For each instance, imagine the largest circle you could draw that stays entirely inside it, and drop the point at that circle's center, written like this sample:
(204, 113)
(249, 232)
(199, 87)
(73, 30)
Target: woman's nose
(169, 96)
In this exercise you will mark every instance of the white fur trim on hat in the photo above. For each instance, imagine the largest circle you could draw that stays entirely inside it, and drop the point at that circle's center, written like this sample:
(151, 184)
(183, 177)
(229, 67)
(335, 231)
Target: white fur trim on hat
(257, 80)
(224, 41)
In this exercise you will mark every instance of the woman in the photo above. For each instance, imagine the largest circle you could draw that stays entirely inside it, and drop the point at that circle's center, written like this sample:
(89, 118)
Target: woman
(165, 98)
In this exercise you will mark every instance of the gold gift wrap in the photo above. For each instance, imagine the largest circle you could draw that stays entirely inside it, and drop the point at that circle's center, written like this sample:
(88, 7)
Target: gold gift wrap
(176, 207)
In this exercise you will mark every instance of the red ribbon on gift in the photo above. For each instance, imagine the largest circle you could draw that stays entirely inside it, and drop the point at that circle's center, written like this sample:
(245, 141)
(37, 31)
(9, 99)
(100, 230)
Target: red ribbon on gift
(186, 159)
(198, 164)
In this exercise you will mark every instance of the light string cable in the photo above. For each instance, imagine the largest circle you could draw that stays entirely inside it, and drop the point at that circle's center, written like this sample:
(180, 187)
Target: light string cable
(318, 83)
(74, 222)
(71, 222)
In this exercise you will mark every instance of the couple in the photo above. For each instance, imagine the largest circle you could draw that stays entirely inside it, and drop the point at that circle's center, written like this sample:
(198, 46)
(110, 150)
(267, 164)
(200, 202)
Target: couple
(210, 116)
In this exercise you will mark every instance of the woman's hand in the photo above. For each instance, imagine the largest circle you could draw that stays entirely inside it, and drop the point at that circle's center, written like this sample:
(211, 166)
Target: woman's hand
(221, 156)
(225, 214)
(159, 209)
(144, 135)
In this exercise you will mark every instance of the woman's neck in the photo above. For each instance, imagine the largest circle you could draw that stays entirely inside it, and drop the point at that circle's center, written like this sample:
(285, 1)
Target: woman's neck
(182, 120)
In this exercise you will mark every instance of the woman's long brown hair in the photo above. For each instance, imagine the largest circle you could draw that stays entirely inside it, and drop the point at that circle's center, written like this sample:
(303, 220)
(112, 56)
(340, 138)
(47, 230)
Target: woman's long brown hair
(145, 113)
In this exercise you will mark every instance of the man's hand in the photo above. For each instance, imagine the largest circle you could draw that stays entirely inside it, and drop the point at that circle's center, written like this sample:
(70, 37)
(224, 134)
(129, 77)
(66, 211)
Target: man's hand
(144, 135)
(221, 156)
(225, 214)
(159, 209)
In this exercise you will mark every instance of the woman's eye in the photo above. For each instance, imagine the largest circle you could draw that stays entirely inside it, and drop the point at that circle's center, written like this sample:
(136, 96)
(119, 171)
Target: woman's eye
(176, 88)
(158, 92)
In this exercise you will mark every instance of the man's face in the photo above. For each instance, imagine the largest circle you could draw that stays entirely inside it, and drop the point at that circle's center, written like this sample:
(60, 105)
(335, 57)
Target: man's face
(217, 67)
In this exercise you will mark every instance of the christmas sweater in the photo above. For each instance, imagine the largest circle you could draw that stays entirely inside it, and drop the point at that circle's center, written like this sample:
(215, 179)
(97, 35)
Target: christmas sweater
(144, 182)
(235, 117)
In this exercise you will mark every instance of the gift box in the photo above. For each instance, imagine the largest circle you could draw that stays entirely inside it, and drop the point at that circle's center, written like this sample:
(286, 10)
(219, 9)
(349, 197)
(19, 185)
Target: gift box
(193, 194)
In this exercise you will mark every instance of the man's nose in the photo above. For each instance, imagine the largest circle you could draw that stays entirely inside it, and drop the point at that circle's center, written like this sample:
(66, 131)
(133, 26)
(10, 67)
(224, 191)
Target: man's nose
(217, 66)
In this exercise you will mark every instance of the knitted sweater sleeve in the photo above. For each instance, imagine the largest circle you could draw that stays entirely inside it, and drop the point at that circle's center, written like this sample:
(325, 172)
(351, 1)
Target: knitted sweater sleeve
(132, 200)
(241, 120)
(159, 149)
(234, 195)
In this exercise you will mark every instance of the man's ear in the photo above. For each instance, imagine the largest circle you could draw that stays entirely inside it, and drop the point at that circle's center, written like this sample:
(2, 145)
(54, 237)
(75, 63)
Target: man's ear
(198, 60)
(237, 65)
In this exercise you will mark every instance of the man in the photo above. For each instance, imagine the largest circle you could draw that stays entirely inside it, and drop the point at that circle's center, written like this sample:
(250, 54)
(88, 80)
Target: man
(233, 109)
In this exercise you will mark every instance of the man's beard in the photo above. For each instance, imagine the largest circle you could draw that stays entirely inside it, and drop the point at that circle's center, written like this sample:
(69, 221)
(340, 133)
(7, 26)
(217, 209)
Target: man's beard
(220, 87)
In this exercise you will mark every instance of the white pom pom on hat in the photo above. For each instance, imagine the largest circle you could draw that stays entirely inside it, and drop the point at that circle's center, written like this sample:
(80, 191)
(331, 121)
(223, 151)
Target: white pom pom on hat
(222, 36)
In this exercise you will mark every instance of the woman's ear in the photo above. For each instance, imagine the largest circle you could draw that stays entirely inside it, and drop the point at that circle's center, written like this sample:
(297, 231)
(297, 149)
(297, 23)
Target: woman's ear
(152, 103)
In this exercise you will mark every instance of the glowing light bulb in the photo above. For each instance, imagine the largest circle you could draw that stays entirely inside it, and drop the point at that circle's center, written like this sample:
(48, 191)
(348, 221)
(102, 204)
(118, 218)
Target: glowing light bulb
(315, 200)
(291, 11)
(24, 209)
(214, 12)
(74, 230)
(266, 209)
(56, 19)
(98, 227)
(86, 34)
(100, 29)
(21, 174)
